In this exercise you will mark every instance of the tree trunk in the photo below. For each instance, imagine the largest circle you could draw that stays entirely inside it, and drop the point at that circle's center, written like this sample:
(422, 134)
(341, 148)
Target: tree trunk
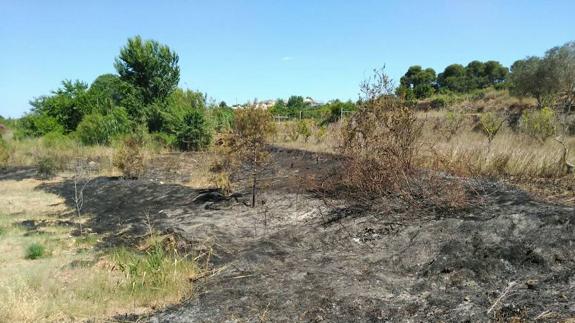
(254, 174)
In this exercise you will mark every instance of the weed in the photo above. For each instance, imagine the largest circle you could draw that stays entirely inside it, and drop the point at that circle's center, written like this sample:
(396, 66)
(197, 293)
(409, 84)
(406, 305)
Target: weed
(155, 271)
(35, 251)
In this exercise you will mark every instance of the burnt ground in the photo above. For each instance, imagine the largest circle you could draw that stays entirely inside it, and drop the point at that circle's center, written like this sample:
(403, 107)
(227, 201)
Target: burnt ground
(295, 258)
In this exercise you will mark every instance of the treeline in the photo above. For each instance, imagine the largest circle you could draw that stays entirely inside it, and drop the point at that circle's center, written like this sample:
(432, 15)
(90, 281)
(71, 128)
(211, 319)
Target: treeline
(142, 96)
(419, 83)
(550, 79)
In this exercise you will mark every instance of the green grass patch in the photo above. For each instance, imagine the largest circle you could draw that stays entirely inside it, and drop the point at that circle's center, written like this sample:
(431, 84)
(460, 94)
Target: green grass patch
(154, 272)
(35, 251)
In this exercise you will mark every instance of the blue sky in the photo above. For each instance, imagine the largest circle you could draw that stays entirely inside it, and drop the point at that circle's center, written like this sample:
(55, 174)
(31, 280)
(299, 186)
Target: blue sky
(241, 50)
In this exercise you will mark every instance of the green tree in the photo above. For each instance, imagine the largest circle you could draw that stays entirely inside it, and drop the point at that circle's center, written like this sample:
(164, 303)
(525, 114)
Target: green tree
(417, 83)
(195, 133)
(453, 78)
(109, 91)
(560, 63)
(495, 72)
(67, 105)
(532, 77)
(295, 102)
(476, 76)
(150, 66)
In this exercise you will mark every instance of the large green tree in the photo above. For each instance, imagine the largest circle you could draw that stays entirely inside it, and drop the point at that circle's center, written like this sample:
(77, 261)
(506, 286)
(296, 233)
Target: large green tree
(533, 77)
(109, 91)
(67, 105)
(495, 72)
(417, 83)
(150, 66)
(453, 78)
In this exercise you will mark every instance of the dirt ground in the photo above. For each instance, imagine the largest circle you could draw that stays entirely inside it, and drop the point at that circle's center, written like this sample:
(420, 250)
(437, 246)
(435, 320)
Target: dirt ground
(511, 257)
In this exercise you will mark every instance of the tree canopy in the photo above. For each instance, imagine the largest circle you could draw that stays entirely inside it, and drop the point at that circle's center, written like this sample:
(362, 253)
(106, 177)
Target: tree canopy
(149, 66)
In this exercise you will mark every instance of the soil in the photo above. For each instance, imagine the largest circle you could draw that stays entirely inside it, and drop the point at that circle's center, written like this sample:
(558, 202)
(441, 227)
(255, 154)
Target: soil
(510, 257)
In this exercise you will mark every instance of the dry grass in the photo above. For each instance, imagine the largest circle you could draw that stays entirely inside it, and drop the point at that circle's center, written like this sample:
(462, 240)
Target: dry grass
(27, 152)
(74, 282)
(469, 153)
(324, 140)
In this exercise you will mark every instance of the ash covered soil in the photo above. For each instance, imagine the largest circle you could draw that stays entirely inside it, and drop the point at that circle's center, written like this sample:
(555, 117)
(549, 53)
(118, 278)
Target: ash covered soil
(296, 258)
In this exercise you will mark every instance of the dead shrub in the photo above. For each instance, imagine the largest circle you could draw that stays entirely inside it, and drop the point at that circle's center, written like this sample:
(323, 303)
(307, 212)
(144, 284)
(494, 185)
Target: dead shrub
(380, 148)
(379, 139)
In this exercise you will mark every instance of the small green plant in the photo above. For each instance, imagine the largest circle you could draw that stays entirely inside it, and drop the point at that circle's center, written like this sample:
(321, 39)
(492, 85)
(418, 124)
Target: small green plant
(156, 270)
(453, 122)
(292, 131)
(4, 152)
(304, 129)
(320, 133)
(47, 166)
(538, 124)
(35, 251)
(491, 123)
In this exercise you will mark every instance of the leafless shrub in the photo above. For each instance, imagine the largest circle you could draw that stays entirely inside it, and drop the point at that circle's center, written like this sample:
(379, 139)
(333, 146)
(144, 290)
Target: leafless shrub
(84, 173)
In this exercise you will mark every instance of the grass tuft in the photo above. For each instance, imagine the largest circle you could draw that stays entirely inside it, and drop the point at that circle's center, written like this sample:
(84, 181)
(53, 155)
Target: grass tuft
(35, 251)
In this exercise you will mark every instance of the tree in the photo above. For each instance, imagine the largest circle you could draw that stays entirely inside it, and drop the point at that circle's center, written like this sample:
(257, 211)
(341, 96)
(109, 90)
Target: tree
(495, 72)
(295, 102)
(245, 145)
(109, 91)
(532, 77)
(453, 78)
(560, 63)
(476, 76)
(98, 129)
(150, 66)
(67, 105)
(195, 133)
(417, 83)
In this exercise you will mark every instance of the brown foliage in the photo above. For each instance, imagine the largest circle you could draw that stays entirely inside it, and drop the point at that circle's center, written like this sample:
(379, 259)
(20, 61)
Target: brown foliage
(380, 139)
(380, 145)
(129, 157)
(244, 146)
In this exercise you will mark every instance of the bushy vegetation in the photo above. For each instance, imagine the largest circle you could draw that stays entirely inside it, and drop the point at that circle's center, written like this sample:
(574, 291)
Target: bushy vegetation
(98, 129)
(419, 83)
(195, 134)
(4, 152)
(539, 124)
(244, 146)
(129, 156)
(143, 93)
(35, 251)
(156, 270)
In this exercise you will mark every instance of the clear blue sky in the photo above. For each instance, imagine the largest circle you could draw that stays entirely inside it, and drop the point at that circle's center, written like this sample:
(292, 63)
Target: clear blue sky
(241, 50)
